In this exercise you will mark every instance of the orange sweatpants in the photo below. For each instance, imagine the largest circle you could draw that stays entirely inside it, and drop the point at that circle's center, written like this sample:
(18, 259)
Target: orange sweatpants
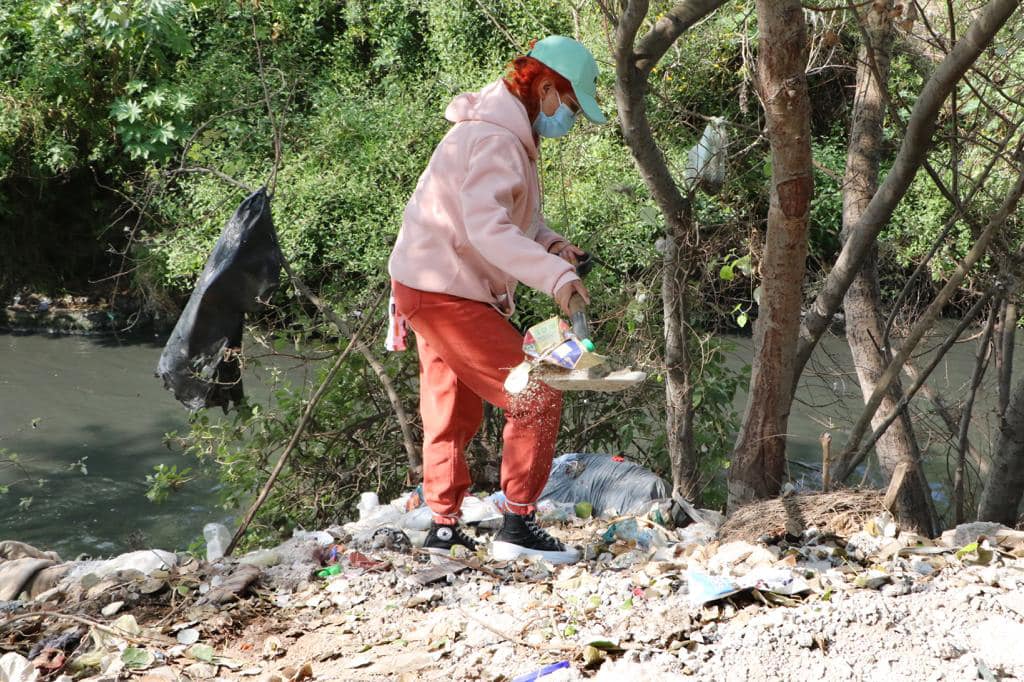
(466, 349)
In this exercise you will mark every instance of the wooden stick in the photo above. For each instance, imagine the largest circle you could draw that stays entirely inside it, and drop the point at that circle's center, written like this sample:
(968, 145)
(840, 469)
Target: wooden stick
(898, 474)
(517, 640)
(117, 632)
(826, 455)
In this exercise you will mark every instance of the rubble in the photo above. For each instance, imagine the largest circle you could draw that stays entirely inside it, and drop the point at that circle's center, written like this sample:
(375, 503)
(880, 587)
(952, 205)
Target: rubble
(676, 603)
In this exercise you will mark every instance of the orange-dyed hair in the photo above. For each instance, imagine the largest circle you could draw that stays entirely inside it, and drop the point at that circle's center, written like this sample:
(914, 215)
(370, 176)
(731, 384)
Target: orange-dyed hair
(524, 75)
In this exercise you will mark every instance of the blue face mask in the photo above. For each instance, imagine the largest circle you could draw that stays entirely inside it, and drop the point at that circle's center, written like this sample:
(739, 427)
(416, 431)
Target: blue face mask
(557, 124)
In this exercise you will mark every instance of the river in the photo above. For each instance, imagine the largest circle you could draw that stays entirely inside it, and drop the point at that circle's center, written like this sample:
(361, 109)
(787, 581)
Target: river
(66, 398)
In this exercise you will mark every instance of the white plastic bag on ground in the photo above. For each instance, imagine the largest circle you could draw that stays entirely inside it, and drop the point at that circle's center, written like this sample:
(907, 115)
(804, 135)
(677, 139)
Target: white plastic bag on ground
(16, 668)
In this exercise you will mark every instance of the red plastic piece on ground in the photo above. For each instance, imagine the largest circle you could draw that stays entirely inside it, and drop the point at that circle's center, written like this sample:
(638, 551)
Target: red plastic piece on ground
(359, 560)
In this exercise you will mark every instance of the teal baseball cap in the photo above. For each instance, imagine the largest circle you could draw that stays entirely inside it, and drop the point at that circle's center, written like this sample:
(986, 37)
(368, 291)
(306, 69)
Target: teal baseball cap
(569, 59)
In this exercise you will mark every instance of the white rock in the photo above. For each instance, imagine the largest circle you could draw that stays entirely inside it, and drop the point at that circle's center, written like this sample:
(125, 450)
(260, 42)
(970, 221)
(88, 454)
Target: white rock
(112, 608)
(997, 641)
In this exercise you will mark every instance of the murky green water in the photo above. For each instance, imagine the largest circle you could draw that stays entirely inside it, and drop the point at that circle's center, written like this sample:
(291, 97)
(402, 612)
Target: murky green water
(67, 398)
(63, 399)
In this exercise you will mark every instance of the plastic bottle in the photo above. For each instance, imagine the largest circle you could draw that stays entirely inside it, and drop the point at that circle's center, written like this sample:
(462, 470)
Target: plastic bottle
(218, 537)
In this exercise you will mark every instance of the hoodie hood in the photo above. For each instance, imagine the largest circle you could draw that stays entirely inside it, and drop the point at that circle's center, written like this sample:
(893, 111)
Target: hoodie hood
(495, 104)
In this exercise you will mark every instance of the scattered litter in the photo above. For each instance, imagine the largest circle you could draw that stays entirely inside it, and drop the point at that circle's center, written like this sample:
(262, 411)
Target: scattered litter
(542, 672)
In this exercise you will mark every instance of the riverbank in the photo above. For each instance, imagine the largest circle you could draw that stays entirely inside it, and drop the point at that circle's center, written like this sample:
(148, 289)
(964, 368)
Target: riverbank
(41, 315)
(869, 603)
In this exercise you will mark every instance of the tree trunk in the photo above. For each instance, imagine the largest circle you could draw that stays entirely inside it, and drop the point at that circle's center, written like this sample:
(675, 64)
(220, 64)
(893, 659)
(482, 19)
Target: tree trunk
(759, 461)
(1006, 331)
(631, 72)
(1000, 499)
(862, 302)
(678, 366)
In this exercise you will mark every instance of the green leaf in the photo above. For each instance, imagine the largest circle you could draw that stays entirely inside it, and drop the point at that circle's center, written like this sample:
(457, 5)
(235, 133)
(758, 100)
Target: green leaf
(967, 549)
(154, 98)
(182, 102)
(741, 320)
(201, 652)
(649, 215)
(126, 110)
(136, 658)
(726, 273)
(135, 86)
(164, 134)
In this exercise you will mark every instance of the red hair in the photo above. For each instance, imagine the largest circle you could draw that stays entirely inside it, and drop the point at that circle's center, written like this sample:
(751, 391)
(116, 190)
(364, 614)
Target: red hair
(523, 81)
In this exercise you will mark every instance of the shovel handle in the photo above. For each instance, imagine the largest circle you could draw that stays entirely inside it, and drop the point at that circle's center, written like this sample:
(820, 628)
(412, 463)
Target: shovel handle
(578, 317)
(576, 304)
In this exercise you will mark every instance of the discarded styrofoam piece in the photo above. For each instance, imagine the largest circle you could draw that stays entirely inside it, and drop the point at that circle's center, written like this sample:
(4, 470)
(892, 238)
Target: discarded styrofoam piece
(776, 580)
(321, 537)
(966, 533)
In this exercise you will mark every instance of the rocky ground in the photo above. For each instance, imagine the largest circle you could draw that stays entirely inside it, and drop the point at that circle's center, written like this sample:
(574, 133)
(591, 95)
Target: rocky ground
(650, 603)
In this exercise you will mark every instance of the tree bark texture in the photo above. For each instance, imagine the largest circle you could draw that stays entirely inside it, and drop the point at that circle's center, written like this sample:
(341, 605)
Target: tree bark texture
(862, 303)
(1001, 496)
(678, 366)
(912, 153)
(1006, 333)
(759, 461)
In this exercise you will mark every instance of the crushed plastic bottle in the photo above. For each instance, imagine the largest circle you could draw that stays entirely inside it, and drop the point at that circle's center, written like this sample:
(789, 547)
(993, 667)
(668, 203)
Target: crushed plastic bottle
(630, 531)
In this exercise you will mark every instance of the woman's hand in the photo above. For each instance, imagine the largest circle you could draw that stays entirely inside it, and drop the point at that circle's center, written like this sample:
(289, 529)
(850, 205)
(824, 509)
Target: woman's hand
(566, 291)
(568, 252)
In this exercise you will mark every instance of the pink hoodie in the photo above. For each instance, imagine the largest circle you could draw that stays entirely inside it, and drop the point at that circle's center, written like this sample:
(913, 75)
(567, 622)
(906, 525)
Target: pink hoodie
(473, 226)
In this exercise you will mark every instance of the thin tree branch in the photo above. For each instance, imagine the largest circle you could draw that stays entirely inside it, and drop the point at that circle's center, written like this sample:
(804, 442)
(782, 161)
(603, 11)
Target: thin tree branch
(851, 456)
(913, 150)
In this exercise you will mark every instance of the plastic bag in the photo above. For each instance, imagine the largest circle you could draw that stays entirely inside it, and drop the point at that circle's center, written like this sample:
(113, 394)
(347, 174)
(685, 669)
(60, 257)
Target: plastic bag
(705, 163)
(610, 485)
(199, 364)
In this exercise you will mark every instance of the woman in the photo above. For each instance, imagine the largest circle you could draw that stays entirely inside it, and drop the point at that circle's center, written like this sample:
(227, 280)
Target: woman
(471, 231)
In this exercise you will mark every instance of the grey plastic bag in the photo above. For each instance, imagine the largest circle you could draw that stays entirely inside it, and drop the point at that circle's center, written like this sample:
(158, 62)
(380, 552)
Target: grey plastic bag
(611, 486)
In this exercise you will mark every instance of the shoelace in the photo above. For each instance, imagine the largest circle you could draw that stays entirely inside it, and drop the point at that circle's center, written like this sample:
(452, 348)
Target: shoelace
(531, 525)
(459, 537)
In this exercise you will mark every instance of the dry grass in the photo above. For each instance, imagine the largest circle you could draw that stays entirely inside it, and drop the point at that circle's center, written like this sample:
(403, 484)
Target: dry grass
(839, 513)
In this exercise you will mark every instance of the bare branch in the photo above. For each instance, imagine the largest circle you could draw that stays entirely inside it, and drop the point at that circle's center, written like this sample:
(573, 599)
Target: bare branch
(851, 457)
(911, 155)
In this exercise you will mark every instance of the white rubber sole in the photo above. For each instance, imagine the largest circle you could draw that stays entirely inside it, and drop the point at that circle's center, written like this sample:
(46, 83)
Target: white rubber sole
(506, 551)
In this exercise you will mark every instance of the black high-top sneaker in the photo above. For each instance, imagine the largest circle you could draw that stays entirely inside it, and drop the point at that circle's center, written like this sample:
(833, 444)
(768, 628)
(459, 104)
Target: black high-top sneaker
(441, 538)
(520, 536)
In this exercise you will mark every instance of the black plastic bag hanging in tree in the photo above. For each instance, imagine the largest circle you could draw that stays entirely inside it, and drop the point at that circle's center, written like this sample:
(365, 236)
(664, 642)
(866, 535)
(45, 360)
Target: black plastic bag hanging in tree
(200, 362)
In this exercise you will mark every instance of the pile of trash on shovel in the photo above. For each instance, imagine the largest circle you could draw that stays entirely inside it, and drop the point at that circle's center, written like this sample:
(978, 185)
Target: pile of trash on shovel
(662, 592)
